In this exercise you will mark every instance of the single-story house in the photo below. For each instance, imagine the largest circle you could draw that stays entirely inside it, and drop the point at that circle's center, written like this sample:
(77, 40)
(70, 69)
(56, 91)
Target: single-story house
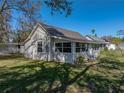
(98, 45)
(110, 45)
(121, 45)
(9, 48)
(50, 43)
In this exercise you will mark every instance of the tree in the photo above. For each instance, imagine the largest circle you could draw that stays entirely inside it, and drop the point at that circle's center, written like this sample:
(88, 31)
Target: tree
(29, 11)
(117, 41)
(120, 32)
(93, 31)
(95, 35)
(20, 36)
(123, 39)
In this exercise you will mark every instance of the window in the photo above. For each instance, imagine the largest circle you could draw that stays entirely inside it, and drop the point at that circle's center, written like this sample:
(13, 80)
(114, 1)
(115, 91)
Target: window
(95, 46)
(67, 47)
(80, 47)
(39, 47)
(58, 47)
(77, 49)
(58, 44)
(63, 47)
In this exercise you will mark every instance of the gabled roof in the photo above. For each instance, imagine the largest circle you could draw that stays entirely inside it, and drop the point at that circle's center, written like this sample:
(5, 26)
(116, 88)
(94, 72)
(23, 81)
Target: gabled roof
(107, 39)
(56, 32)
(60, 32)
(96, 39)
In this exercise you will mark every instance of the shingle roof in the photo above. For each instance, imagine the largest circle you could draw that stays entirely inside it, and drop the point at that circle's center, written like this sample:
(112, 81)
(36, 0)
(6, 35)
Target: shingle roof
(59, 32)
(107, 39)
(97, 39)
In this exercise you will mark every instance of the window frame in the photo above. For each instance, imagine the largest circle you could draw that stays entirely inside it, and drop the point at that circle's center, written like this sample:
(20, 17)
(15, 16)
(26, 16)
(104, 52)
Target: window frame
(60, 47)
(80, 47)
(40, 47)
(63, 47)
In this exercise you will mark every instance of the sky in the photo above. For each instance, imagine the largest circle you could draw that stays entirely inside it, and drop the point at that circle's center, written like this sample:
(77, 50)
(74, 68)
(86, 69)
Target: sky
(106, 16)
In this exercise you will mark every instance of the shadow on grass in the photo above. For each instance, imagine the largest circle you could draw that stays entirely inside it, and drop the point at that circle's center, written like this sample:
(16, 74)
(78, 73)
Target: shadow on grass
(37, 77)
(111, 63)
(98, 84)
(102, 84)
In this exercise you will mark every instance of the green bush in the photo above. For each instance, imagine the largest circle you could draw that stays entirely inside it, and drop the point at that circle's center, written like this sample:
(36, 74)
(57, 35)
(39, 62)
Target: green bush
(110, 53)
(106, 49)
(80, 60)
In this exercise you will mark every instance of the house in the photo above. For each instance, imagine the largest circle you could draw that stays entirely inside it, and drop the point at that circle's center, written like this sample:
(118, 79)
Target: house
(98, 41)
(9, 48)
(121, 45)
(98, 45)
(109, 45)
(52, 43)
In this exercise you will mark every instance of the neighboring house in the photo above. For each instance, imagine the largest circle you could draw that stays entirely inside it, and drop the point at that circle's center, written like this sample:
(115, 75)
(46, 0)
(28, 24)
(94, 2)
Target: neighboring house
(51, 43)
(121, 45)
(9, 48)
(97, 40)
(109, 44)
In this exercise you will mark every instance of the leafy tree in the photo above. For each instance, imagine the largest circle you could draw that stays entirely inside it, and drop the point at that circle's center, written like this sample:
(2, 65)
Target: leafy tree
(27, 12)
(116, 40)
(95, 35)
(120, 32)
(20, 36)
(123, 39)
(93, 31)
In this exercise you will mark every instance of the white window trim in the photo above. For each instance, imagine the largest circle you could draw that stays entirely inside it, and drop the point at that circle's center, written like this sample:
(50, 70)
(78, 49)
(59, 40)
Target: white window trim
(62, 47)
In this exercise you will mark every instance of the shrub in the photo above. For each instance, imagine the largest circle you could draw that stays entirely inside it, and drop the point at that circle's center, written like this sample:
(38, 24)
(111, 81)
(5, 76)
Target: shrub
(80, 60)
(106, 49)
(110, 53)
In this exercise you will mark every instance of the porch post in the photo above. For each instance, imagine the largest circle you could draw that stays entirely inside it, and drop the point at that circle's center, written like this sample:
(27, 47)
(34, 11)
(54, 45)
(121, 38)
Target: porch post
(73, 51)
(49, 50)
(86, 46)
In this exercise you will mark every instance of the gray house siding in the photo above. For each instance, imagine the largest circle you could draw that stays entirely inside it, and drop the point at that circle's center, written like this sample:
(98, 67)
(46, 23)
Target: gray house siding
(60, 56)
(31, 46)
(48, 48)
(49, 37)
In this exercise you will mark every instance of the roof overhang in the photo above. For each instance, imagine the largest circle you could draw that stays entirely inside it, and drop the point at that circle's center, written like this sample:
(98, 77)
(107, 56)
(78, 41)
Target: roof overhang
(72, 40)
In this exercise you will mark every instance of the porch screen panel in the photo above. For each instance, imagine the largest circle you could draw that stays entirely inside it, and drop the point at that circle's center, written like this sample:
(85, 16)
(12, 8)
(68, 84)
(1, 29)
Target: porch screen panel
(83, 47)
(58, 47)
(67, 47)
(80, 47)
(77, 47)
(63, 47)
(96, 47)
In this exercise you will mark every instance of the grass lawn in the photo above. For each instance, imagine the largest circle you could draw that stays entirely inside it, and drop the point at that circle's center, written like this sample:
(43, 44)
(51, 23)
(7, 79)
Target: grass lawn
(21, 75)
